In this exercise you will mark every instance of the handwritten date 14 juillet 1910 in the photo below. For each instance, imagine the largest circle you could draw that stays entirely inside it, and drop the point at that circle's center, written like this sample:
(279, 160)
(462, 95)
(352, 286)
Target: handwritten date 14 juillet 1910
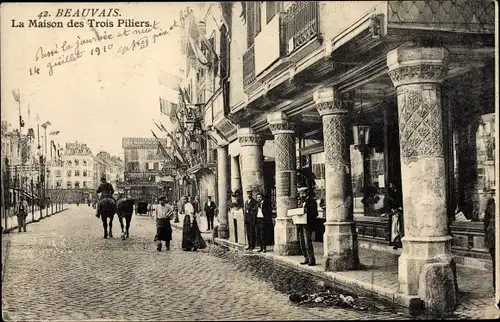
(100, 44)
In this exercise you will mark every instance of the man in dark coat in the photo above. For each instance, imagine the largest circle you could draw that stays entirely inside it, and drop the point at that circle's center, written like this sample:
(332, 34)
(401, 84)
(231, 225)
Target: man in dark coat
(263, 221)
(489, 231)
(305, 231)
(251, 207)
(106, 190)
(210, 208)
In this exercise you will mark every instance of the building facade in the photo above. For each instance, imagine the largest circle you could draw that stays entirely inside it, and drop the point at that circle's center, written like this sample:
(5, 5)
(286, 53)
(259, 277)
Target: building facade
(110, 166)
(143, 163)
(370, 95)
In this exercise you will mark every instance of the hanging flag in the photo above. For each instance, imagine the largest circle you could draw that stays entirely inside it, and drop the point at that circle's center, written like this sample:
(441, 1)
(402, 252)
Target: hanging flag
(17, 95)
(167, 108)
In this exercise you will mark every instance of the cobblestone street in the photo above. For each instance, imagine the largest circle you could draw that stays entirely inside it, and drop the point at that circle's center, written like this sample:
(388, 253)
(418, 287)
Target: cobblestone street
(63, 269)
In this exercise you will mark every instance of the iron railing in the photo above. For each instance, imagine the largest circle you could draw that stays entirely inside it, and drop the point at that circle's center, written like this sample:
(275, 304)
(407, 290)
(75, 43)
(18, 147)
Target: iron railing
(300, 23)
(249, 67)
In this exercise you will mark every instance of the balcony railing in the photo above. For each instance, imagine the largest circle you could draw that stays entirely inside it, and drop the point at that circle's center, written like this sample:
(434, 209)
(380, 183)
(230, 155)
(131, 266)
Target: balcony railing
(249, 66)
(300, 23)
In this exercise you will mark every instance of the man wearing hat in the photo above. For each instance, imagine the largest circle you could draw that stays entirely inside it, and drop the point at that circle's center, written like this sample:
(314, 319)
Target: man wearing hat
(310, 206)
(106, 190)
(251, 209)
(164, 213)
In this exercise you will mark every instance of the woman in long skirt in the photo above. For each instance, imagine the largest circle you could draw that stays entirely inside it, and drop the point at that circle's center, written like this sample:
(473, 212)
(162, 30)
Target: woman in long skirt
(191, 235)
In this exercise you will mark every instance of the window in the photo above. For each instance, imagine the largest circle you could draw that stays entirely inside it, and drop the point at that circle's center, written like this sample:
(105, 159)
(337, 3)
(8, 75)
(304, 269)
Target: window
(85, 184)
(68, 184)
(84, 163)
(58, 184)
(84, 173)
(272, 8)
(68, 174)
(77, 163)
(58, 173)
(253, 21)
(69, 163)
(156, 166)
(77, 184)
(77, 173)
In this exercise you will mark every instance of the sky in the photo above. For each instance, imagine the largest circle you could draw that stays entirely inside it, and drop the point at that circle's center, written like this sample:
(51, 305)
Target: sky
(95, 99)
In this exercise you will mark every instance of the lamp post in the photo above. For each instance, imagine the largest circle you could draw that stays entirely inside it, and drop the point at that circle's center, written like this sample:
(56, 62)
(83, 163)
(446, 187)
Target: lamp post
(361, 135)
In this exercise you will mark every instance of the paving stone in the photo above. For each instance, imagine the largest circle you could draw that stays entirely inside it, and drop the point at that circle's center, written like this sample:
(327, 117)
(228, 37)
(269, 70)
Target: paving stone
(63, 269)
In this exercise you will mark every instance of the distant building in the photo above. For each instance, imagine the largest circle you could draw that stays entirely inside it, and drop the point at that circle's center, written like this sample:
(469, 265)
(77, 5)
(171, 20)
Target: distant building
(110, 166)
(143, 164)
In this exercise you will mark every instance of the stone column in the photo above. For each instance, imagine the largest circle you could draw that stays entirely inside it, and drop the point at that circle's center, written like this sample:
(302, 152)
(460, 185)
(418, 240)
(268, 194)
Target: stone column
(426, 266)
(222, 185)
(252, 160)
(340, 240)
(285, 232)
(235, 174)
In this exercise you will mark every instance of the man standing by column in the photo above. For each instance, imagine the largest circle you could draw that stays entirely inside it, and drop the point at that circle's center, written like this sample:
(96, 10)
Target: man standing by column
(210, 208)
(251, 207)
(263, 221)
(310, 206)
(22, 213)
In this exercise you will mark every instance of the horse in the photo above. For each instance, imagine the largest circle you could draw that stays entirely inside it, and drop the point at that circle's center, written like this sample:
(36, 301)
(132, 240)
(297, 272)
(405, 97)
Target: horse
(107, 209)
(125, 209)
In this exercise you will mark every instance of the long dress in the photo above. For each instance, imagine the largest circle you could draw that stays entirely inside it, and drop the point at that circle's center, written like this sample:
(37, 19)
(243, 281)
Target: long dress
(191, 235)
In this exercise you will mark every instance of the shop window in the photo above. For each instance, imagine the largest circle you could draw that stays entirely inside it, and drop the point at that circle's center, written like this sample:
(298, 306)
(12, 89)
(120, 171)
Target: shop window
(77, 184)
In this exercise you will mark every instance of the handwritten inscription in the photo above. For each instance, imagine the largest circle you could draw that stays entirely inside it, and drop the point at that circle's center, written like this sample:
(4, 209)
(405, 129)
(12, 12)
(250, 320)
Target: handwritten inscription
(103, 42)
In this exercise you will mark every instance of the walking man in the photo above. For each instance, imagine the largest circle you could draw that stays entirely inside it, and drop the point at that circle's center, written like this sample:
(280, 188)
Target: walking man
(210, 209)
(311, 211)
(251, 207)
(21, 211)
(264, 220)
(164, 213)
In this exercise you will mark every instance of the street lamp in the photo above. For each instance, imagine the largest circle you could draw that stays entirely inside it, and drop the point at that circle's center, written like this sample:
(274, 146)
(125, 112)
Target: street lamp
(361, 134)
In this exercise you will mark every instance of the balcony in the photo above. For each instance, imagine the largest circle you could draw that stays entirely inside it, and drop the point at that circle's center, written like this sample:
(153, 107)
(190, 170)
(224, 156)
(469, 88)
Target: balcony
(299, 24)
(285, 35)
(200, 161)
(249, 67)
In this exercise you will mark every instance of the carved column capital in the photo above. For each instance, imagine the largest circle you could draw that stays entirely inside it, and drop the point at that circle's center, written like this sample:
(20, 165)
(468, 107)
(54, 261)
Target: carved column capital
(279, 123)
(328, 101)
(247, 136)
(417, 65)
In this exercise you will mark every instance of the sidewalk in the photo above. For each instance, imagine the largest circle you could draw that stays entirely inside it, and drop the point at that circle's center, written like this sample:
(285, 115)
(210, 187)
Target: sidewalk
(379, 276)
(12, 226)
(9, 223)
